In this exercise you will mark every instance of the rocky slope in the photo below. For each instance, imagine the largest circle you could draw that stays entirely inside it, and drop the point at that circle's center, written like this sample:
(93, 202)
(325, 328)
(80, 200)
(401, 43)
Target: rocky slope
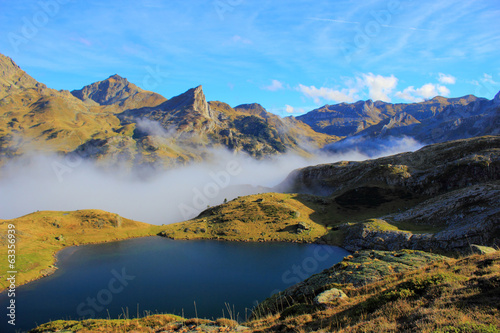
(463, 217)
(457, 184)
(357, 270)
(442, 295)
(432, 170)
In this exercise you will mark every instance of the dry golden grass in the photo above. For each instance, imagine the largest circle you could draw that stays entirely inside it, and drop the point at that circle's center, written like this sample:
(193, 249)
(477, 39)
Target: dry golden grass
(457, 295)
(152, 323)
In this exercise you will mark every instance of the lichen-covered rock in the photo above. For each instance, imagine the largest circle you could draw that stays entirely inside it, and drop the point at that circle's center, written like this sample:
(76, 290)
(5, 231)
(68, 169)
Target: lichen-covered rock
(482, 249)
(328, 296)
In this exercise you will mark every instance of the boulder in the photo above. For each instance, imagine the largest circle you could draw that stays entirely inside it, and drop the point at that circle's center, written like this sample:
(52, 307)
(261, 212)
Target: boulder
(328, 296)
(303, 226)
(481, 249)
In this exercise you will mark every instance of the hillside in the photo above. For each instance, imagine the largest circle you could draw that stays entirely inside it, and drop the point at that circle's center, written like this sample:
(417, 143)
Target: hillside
(441, 198)
(40, 235)
(445, 295)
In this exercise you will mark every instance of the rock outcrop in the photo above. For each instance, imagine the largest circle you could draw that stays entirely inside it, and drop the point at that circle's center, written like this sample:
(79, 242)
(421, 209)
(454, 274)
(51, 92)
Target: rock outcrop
(361, 268)
(430, 171)
(463, 217)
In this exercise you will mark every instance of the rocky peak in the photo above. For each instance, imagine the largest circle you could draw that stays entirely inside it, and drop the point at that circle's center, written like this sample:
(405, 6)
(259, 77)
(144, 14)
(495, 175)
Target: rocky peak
(106, 92)
(192, 100)
(12, 77)
(253, 108)
(117, 90)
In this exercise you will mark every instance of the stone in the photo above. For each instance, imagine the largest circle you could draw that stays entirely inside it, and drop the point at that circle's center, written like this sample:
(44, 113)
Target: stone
(481, 249)
(303, 226)
(328, 296)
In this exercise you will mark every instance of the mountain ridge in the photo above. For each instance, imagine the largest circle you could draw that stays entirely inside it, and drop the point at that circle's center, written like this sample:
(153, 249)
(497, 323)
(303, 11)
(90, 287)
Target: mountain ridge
(114, 119)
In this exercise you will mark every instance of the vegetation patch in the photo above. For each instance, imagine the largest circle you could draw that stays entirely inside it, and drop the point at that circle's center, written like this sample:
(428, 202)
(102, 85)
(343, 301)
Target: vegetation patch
(440, 296)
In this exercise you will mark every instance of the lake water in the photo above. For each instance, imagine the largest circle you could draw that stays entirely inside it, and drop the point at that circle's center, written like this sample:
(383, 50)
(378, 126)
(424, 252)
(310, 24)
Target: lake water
(157, 274)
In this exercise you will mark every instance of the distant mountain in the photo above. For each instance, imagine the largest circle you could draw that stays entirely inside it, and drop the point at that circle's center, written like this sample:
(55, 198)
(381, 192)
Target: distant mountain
(437, 120)
(189, 119)
(115, 121)
(36, 118)
(118, 91)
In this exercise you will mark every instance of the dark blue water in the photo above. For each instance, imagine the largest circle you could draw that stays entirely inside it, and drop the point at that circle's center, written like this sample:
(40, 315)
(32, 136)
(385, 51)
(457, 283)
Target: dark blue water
(156, 274)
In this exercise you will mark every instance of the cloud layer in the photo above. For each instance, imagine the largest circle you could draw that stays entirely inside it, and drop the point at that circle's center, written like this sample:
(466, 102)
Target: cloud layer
(53, 183)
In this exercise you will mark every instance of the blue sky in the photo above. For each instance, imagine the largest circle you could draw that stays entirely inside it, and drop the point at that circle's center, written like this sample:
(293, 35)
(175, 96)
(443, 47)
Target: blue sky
(290, 56)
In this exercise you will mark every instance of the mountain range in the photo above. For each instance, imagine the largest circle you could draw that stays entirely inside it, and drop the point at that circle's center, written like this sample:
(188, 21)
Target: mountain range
(115, 120)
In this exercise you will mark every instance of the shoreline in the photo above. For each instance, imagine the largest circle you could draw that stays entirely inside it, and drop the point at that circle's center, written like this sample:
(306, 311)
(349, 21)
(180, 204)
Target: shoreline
(53, 266)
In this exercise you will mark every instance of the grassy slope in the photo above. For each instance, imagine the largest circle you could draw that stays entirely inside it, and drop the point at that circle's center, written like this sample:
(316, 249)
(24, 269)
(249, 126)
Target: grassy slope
(456, 295)
(36, 234)
(272, 217)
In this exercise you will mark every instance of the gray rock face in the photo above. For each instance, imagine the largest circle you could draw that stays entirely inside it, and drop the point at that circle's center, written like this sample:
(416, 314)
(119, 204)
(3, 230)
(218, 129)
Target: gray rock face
(467, 216)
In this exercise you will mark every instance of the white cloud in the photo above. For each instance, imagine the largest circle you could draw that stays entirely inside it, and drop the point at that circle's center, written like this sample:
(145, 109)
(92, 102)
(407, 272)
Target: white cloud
(447, 79)
(275, 85)
(443, 91)
(291, 109)
(427, 91)
(328, 94)
(488, 79)
(379, 87)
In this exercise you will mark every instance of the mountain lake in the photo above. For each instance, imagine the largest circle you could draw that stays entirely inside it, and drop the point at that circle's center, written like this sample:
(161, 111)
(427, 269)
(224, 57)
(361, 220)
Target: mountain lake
(158, 275)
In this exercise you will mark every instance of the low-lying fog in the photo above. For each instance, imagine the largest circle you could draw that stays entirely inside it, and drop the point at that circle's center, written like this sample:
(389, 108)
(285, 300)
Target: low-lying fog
(41, 182)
